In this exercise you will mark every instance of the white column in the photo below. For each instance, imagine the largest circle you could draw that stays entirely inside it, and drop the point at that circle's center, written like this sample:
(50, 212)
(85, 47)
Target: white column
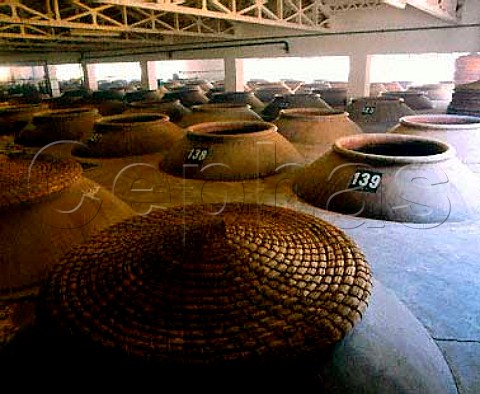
(234, 78)
(359, 77)
(52, 81)
(89, 77)
(149, 75)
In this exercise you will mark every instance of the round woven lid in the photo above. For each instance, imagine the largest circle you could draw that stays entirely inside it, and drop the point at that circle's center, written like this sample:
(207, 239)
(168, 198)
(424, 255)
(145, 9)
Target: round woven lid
(26, 178)
(203, 284)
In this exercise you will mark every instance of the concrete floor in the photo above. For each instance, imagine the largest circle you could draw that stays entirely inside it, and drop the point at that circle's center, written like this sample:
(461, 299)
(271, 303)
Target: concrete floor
(432, 269)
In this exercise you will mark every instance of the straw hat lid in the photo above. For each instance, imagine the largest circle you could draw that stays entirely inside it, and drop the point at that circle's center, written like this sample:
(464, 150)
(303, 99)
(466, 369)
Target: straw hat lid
(203, 284)
(27, 179)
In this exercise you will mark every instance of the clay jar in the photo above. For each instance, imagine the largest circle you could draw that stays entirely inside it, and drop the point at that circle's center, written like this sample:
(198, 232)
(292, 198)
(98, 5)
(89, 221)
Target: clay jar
(286, 101)
(415, 100)
(218, 113)
(313, 130)
(392, 177)
(132, 134)
(378, 114)
(238, 98)
(267, 91)
(13, 118)
(231, 151)
(174, 109)
(47, 207)
(463, 132)
(57, 125)
(336, 97)
(188, 96)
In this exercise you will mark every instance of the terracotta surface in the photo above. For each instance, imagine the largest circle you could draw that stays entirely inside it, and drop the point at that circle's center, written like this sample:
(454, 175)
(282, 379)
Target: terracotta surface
(391, 177)
(188, 96)
(55, 125)
(130, 134)
(238, 98)
(13, 118)
(286, 101)
(174, 109)
(462, 132)
(219, 113)
(47, 208)
(231, 151)
(415, 100)
(377, 114)
(313, 131)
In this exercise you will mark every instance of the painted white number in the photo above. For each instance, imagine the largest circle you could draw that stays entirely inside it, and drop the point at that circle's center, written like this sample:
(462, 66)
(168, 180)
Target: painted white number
(374, 181)
(197, 154)
(365, 178)
(368, 110)
(366, 181)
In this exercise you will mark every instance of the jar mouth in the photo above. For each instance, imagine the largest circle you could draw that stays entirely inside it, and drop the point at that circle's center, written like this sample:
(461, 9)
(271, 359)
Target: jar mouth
(312, 113)
(133, 119)
(219, 106)
(153, 103)
(381, 99)
(230, 130)
(393, 148)
(441, 122)
(67, 111)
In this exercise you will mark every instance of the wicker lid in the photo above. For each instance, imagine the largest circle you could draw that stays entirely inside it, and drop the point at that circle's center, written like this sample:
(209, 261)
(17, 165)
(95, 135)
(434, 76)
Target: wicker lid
(26, 178)
(190, 286)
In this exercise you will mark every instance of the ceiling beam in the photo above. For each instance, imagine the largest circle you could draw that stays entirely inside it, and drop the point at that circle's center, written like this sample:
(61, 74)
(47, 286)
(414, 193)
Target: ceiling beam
(294, 14)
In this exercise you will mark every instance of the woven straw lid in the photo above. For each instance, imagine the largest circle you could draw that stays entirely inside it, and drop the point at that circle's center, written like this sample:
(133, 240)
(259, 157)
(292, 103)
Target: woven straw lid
(26, 178)
(189, 286)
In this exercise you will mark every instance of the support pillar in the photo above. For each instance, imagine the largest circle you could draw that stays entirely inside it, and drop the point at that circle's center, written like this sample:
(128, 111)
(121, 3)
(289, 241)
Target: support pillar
(149, 75)
(234, 77)
(89, 77)
(359, 77)
(52, 81)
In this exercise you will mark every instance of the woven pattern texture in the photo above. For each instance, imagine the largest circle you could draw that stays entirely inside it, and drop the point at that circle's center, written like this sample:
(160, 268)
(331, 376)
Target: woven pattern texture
(186, 286)
(26, 178)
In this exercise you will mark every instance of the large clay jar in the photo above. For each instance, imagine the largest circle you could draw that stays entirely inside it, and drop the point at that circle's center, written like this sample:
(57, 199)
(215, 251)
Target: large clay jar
(267, 91)
(313, 131)
(336, 97)
(13, 118)
(231, 151)
(108, 102)
(174, 109)
(377, 114)
(47, 207)
(143, 95)
(435, 91)
(310, 87)
(188, 96)
(218, 113)
(392, 177)
(286, 101)
(415, 100)
(131, 134)
(463, 132)
(57, 125)
(238, 98)
(182, 286)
